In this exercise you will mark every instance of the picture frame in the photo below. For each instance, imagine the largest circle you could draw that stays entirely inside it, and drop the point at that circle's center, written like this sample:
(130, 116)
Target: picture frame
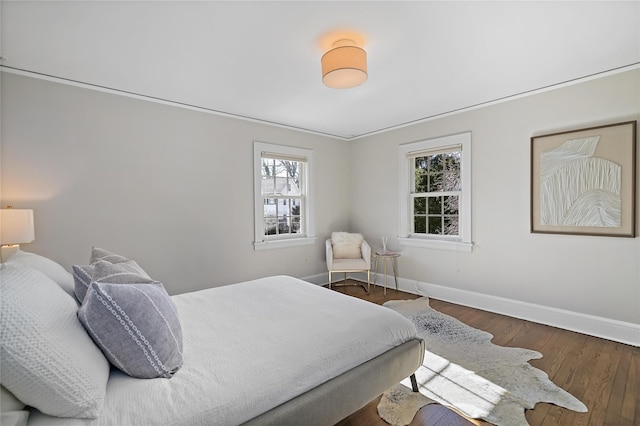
(583, 182)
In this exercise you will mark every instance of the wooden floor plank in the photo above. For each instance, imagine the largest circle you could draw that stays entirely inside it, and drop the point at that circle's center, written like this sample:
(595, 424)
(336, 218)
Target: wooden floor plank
(631, 400)
(604, 375)
(614, 405)
(600, 382)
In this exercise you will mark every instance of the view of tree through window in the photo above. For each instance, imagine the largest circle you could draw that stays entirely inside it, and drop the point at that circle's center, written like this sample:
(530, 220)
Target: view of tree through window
(282, 196)
(436, 193)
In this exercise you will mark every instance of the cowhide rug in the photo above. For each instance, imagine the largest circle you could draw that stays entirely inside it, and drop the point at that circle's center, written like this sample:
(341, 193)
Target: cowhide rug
(463, 370)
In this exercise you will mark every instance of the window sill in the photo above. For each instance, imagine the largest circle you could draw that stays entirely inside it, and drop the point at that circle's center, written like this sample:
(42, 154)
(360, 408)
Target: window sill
(277, 244)
(461, 246)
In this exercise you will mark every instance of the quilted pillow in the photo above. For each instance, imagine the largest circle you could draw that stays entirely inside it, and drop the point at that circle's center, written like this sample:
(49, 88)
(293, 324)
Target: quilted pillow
(136, 326)
(116, 273)
(47, 360)
(45, 265)
(346, 245)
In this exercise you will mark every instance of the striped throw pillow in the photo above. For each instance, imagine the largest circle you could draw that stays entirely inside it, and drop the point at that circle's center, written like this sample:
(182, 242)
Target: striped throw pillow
(136, 326)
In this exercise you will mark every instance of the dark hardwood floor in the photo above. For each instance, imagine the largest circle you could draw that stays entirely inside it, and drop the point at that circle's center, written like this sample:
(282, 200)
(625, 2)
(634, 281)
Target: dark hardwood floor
(604, 375)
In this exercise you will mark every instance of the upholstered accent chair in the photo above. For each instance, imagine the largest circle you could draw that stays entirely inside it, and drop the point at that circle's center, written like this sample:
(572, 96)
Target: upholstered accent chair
(348, 252)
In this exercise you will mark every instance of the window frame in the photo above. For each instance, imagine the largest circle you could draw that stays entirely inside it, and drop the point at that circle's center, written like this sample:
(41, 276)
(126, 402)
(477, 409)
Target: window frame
(307, 216)
(406, 153)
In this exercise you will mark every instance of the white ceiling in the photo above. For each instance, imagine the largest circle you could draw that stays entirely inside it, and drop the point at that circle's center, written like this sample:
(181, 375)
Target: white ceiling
(261, 60)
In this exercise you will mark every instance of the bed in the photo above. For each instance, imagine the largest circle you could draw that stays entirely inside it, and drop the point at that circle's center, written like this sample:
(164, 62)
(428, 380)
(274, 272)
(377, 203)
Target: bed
(272, 351)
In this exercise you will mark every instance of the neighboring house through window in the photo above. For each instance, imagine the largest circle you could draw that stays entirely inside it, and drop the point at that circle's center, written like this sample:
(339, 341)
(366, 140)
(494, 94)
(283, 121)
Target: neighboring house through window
(435, 193)
(283, 197)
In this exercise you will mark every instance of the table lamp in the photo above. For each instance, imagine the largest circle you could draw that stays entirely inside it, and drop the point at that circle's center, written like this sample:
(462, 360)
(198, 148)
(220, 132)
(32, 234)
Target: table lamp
(16, 227)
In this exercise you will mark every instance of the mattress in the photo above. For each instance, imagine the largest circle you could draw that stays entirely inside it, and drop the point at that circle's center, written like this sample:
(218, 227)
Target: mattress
(249, 348)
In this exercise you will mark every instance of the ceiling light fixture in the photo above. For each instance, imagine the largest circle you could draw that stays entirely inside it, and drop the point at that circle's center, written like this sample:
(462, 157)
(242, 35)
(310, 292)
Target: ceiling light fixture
(344, 66)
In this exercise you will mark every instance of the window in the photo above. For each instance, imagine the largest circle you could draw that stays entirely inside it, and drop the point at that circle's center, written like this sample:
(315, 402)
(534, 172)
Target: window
(284, 209)
(435, 180)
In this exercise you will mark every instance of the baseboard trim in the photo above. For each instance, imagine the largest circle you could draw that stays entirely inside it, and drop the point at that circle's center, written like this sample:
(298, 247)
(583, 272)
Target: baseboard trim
(319, 279)
(605, 328)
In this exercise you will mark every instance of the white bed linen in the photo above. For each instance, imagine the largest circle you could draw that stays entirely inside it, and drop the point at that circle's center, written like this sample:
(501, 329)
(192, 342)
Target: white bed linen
(250, 347)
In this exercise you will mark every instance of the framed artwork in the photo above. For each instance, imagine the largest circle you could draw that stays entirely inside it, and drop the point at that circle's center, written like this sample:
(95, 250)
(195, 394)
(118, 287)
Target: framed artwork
(583, 181)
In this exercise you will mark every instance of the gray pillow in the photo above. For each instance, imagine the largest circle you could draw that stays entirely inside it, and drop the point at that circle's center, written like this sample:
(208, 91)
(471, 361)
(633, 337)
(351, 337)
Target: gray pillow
(116, 273)
(101, 254)
(136, 326)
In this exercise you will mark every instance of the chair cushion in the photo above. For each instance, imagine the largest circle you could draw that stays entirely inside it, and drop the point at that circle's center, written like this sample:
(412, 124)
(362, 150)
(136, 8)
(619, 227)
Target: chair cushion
(349, 265)
(346, 245)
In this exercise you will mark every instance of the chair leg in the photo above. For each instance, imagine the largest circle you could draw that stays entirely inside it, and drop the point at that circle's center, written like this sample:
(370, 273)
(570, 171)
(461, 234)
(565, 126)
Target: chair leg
(329, 280)
(414, 383)
(368, 281)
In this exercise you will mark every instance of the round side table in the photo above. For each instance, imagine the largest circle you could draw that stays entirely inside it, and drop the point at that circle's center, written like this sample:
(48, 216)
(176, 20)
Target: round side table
(391, 256)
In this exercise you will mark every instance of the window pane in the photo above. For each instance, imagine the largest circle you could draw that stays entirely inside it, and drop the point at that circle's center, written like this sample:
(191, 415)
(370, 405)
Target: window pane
(453, 161)
(268, 167)
(436, 182)
(269, 208)
(437, 162)
(295, 224)
(451, 204)
(421, 182)
(420, 224)
(281, 177)
(435, 225)
(435, 205)
(283, 224)
(451, 180)
(270, 226)
(420, 205)
(421, 163)
(268, 185)
(451, 225)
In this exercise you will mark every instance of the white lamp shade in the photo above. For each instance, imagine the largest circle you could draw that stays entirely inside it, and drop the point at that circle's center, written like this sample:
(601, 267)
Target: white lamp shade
(16, 226)
(344, 67)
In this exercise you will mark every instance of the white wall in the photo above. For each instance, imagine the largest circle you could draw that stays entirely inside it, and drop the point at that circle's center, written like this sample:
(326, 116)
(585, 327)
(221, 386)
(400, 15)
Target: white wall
(169, 187)
(597, 276)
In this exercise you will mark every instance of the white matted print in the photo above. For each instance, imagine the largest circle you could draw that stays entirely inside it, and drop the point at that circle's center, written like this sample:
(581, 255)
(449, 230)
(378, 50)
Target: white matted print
(583, 181)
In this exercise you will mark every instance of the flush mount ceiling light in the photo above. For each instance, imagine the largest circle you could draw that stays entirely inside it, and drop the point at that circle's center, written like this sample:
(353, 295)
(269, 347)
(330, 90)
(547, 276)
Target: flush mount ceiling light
(344, 66)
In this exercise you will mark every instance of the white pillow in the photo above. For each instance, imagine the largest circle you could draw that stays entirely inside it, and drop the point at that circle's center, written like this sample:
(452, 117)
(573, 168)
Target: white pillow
(45, 265)
(47, 360)
(346, 245)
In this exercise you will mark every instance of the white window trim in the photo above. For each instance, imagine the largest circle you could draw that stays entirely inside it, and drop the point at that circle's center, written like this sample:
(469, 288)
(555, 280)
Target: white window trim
(259, 241)
(463, 242)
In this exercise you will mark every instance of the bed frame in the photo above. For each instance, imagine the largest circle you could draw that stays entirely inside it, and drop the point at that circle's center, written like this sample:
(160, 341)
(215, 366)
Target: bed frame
(341, 396)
